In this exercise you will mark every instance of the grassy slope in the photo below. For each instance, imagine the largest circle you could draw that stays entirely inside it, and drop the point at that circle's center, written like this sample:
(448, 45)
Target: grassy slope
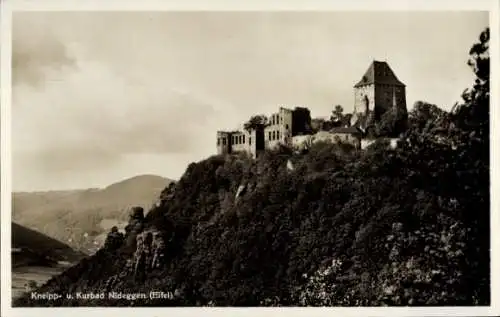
(37, 248)
(66, 215)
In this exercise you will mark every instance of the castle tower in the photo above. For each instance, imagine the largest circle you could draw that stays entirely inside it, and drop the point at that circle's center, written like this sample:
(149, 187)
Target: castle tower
(378, 91)
(286, 125)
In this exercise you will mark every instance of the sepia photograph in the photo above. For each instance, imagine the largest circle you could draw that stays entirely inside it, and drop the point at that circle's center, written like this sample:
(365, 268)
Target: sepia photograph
(250, 159)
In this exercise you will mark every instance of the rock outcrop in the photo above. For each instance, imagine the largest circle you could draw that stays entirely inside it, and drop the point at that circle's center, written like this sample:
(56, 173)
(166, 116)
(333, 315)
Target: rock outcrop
(144, 249)
(114, 240)
(134, 227)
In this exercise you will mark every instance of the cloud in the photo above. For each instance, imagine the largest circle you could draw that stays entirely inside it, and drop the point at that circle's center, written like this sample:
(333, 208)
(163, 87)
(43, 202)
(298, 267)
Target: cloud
(34, 50)
(87, 112)
(80, 113)
(93, 92)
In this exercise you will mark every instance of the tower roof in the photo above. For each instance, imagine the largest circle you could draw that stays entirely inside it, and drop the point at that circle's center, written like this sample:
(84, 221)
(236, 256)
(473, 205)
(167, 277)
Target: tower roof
(379, 73)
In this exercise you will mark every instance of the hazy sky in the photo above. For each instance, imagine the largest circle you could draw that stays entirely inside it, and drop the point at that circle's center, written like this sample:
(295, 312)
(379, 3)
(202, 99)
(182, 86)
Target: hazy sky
(99, 97)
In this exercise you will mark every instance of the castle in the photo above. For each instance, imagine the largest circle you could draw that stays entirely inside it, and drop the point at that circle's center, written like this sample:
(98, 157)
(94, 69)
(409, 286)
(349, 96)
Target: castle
(378, 91)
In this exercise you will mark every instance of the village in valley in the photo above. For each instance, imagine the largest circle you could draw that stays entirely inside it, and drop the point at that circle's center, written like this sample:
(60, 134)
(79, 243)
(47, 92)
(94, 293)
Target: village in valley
(378, 93)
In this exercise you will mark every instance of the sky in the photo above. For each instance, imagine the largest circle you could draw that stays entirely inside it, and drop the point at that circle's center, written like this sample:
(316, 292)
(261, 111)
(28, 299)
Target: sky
(98, 97)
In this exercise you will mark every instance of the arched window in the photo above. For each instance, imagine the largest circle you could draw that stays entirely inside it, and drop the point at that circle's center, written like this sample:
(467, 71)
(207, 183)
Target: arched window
(274, 135)
(367, 103)
(243, 139)
(277, 135)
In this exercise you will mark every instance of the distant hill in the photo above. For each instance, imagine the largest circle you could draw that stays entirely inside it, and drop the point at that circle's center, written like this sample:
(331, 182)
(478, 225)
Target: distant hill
(34, 248)
(75, 216)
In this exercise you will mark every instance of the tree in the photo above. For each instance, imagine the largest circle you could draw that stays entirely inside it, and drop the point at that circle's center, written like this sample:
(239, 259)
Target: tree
(337, 114)
(425, 115)
(473, 115)
(256, 122)
(392, 123)
(338, 118)
(347, 119)
(471, 139)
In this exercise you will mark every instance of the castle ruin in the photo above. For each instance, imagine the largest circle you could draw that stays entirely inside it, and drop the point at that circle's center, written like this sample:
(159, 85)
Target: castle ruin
(378, 91)
(279, 128)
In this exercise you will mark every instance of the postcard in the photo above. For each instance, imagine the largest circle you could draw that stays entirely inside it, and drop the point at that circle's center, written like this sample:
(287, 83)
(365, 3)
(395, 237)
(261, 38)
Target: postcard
(227, 159)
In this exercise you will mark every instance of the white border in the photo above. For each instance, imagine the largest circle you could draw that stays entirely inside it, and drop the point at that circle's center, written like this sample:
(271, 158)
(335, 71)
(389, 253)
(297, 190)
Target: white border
(254, 5)
(5, 162)
(8, 6)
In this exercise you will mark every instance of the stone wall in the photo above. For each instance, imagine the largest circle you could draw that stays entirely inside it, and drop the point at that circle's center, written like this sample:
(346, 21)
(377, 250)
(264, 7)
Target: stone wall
(240, 141)
(303, 141)
(279, 129)
(359, 98)
(223, 142)
(387, 95)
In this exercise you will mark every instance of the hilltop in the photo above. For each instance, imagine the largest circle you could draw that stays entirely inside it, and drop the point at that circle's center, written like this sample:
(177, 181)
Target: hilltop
(330, 226)
(68, 215)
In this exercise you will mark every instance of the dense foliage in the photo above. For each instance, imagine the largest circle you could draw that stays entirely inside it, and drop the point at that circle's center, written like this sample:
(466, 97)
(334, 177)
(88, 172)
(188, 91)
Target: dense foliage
(392, 123)
(333, 226)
